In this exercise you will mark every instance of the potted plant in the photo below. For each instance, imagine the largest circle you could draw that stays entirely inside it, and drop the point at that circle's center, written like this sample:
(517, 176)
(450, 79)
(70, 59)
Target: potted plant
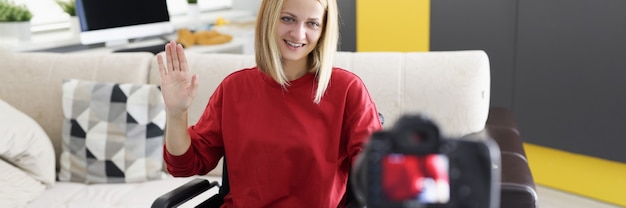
(69, 7)
(193, 8)
(193, 13)
(14, 21)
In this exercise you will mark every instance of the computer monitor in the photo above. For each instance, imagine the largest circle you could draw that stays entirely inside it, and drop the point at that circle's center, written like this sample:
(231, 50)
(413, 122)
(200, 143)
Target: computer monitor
(116, 22)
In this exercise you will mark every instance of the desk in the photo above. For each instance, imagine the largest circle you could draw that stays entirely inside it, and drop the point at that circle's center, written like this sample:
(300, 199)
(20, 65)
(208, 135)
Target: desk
(236, 45)
(50, 40)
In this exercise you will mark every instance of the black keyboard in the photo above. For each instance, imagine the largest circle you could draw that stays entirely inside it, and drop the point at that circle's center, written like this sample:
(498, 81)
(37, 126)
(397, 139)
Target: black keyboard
(154, 49)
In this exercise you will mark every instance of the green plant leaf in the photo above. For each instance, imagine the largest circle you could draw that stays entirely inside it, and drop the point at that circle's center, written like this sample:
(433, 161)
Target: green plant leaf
(68, 7)
(10, 12)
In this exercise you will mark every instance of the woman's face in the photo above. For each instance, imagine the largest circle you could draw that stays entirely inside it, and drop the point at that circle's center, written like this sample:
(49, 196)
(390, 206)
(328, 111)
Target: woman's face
(299, 28)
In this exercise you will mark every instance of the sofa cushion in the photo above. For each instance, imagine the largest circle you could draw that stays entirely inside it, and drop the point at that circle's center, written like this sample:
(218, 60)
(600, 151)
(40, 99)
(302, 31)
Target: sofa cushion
(112, 133)
(127, 195)
(24, 144)
(17, 187)
(450, 87)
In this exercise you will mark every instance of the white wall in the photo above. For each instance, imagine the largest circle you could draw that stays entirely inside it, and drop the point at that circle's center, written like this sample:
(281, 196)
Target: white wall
(247, 5)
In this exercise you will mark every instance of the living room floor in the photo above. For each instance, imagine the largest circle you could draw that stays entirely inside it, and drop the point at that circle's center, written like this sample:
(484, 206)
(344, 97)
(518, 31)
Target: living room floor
(552, 198)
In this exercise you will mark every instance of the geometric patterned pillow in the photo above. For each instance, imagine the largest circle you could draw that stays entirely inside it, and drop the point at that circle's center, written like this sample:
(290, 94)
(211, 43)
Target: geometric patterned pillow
(112, 133)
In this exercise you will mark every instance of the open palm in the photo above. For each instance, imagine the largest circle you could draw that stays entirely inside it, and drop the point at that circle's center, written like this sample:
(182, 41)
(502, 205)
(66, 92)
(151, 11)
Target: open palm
(177, 85)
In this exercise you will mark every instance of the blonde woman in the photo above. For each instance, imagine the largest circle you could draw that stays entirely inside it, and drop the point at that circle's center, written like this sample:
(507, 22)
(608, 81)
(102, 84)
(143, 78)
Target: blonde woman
(290, 127)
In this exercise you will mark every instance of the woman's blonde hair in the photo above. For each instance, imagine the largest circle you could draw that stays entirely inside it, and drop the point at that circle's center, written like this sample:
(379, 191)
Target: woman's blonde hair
(320, 60)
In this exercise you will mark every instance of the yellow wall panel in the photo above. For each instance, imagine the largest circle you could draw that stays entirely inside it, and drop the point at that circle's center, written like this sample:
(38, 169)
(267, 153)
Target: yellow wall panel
(596, 178)
(393, 25)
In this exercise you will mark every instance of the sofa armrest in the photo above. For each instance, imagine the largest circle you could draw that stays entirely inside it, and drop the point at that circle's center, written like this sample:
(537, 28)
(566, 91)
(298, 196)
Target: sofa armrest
(183, 193)
(517, 185)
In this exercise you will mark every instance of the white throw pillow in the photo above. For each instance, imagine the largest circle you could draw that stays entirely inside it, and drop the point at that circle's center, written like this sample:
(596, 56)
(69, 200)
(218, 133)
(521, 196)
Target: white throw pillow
(24, 144)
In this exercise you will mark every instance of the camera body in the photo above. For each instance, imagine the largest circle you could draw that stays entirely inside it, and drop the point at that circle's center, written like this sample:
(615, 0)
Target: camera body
(411, 165)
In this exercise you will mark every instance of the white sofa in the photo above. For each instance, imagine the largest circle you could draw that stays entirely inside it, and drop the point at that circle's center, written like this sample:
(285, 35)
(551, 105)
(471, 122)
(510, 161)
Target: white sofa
(451, 87)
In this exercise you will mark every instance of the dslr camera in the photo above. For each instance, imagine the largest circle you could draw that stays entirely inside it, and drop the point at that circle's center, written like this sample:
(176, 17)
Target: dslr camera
(413, 166)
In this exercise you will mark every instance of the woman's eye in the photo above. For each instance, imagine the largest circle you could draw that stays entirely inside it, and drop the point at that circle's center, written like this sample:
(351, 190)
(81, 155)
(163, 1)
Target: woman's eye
(314, 24)
(287, 19)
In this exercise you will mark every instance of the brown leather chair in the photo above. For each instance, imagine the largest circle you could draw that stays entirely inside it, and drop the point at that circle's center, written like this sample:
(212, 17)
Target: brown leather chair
(517, 188)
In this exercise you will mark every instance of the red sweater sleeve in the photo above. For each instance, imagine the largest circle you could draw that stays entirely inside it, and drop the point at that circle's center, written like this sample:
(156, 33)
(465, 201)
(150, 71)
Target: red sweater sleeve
(362, 118)
(207, 146)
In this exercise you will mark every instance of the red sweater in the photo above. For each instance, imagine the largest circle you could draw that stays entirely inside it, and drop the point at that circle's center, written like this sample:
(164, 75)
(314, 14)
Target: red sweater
(283, 149)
